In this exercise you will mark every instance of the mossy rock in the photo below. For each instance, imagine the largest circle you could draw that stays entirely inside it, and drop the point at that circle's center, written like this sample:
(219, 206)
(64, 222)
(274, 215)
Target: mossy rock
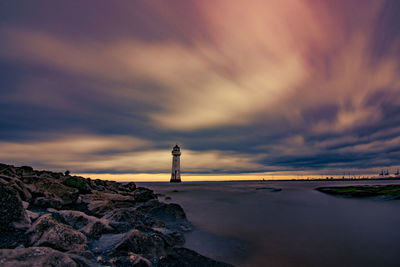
(78, 183)
(380, 191)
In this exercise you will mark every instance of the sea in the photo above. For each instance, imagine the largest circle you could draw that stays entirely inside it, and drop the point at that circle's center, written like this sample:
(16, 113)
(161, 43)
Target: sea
(286, 223)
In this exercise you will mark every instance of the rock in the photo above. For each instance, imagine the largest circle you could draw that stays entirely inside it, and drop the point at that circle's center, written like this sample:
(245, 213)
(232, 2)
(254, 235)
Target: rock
(12, 212)
(171, 215)
(167, 212)
(183, 257)
(269, 189)
(35, 257)
(49, 202)
(142, 194)
(47, 231)
(8, 170)
(51, 191)
(89, 225)
(12, 239)
(26, 170)
(32, 215)
(124, 215)
(18, 185)
(100, 203)
(148, 245)
(79, 183)
(131, 259)
(130, 186)
(125, 219)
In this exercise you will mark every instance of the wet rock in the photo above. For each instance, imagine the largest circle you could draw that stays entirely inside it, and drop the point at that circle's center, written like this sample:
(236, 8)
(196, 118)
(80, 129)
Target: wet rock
(89, 225)
(47, 231)
(142, 194)
(34, 256)
(12, 212)
(183, 257)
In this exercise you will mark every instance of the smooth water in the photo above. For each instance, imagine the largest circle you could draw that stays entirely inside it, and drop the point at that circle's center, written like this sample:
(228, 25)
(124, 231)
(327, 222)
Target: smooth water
(297, 226)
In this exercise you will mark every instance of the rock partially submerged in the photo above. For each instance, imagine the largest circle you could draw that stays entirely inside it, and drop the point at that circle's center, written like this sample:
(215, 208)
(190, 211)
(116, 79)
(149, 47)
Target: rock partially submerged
(269, 189)
(55, 219)
(387, 192)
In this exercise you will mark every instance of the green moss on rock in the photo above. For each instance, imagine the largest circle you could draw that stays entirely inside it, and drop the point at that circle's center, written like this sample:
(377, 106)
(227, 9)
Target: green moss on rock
(377, 191)
(78, 183)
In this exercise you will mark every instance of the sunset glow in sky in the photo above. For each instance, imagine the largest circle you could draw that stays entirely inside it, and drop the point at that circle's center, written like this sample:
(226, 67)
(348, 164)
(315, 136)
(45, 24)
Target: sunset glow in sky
(267, 87)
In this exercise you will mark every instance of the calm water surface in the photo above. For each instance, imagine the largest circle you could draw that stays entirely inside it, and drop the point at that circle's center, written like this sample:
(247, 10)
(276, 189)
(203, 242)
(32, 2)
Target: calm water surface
(297, 226)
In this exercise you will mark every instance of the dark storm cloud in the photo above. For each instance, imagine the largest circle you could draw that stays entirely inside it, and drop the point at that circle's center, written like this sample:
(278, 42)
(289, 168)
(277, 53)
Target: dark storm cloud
(266, 86)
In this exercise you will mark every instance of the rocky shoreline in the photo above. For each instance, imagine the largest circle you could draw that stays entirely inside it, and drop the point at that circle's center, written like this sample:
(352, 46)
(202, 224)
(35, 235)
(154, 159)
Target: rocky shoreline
(55, 219)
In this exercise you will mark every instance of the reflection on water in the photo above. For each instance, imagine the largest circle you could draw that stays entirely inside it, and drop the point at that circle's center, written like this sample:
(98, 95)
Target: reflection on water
(297, 226)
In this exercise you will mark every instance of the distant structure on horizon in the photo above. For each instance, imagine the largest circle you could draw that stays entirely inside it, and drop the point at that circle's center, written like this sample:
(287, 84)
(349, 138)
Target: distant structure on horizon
(176, 162)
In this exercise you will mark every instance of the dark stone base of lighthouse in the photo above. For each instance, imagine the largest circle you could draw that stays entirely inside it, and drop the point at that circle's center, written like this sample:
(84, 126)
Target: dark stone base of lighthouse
(175, 181)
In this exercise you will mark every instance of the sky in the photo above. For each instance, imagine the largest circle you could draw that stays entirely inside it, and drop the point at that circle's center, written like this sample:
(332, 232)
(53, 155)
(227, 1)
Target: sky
(245, 88)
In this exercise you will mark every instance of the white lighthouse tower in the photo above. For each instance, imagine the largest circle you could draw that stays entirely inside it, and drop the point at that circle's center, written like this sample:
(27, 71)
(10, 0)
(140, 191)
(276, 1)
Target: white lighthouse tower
(176, 162)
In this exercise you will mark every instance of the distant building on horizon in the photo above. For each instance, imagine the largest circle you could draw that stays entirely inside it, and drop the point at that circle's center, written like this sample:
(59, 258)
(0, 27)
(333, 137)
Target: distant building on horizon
(176, 162)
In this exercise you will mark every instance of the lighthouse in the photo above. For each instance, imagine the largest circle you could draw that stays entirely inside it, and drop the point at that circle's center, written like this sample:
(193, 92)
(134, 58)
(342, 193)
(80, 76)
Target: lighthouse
(176, 169)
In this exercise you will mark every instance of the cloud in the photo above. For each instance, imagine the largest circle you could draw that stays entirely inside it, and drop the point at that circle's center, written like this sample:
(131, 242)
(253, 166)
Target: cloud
(82, 153)
(268, 85)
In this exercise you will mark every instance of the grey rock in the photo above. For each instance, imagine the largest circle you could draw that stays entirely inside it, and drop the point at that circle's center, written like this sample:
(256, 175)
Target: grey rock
(89, 225)
(142, 194)
(146, 244)
(47, 231)
(34, 257)
(51, 190)
(12, 212)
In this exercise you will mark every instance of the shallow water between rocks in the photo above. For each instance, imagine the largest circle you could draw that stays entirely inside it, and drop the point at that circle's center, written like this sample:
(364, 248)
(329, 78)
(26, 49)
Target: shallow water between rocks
(245, 223)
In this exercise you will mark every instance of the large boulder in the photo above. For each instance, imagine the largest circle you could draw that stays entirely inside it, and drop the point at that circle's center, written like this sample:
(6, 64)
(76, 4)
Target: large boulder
(12, 212)
(183, 257)
(100, 203)
(79, 183)
(35, 257)
(91, 226)
(125, 219)
(48, 232)
(149, 245)
(130, 187)
(171, 215)
(8, 170)
(142, 194)
(51, 191)
(18, 185)
(167, 212)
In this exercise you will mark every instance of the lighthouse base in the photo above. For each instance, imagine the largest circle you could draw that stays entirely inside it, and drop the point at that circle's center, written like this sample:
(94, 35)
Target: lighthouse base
(175, 181)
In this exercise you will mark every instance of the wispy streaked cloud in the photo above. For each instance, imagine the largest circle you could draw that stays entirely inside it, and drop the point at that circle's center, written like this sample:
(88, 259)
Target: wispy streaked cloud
(266, 85)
